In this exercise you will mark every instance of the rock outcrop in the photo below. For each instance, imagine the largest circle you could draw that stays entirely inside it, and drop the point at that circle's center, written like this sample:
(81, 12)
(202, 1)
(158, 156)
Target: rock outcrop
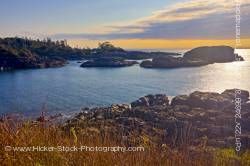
(196, 57)
(151, 100)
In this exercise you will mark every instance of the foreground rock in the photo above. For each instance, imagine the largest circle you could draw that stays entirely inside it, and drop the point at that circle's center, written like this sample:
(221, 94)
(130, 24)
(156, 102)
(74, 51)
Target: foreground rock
(108, 62)
(198, 119)
(196, 57)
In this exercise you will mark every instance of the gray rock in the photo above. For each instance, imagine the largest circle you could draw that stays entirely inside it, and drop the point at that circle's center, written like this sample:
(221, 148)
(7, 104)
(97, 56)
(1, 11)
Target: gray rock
(180, 100)
(182, 108)
(151, 100)
(236, 93)
(209, 100)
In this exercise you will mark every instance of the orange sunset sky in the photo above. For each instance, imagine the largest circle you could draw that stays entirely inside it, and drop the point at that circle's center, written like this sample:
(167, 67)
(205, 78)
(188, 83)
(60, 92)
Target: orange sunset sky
(141, 24)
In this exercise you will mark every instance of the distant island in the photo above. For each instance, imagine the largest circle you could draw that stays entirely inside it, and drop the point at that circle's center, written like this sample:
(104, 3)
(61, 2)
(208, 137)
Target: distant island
(23, 53)
(196, 57)
(19, 53)
(108, 62)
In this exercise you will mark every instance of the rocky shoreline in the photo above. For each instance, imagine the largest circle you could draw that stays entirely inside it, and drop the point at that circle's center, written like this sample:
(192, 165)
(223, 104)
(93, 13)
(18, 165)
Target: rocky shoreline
(197, 119)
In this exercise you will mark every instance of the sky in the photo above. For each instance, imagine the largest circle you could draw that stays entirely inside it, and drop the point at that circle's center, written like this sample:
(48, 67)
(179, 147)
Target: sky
(131, 24)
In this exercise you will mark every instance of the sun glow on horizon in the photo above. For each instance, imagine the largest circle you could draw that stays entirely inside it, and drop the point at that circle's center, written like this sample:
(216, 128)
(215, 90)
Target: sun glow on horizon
(159, 43)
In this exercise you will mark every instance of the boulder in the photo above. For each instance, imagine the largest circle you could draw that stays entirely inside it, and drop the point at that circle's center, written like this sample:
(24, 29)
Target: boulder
(128, 121)
(151, 100)
(180, 100)
(206, 100)
(209, 100)
(120, 107)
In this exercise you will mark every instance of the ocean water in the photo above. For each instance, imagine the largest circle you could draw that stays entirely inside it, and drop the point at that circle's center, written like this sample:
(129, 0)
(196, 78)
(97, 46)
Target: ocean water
(67, 89)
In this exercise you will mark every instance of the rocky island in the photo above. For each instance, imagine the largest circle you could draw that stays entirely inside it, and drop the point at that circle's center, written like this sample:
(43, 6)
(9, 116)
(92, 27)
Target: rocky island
(196, 57)
(23, 53)
(19, 53)
(108, 62)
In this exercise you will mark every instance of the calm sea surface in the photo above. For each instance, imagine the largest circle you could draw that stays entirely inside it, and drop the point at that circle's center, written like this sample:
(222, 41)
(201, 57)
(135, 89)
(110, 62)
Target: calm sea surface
(69, 88)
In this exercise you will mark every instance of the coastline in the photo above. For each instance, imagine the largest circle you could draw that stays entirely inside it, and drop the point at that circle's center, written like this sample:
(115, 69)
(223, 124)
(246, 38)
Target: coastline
(201, 110)
(195, 126)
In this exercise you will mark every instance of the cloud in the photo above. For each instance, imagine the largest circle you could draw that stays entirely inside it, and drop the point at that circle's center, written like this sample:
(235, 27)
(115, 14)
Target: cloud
(201, 19)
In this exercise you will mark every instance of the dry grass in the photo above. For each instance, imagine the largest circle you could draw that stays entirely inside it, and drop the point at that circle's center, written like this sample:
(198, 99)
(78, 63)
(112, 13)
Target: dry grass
(28, 134)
